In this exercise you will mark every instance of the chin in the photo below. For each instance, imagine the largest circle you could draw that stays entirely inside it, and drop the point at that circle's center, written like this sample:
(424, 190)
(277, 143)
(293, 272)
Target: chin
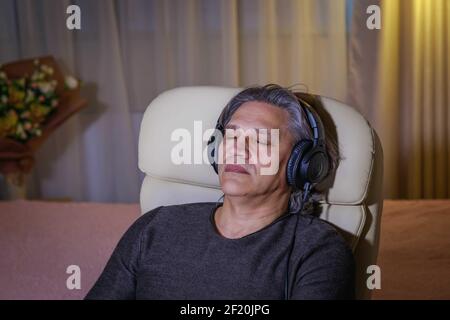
(234, 187)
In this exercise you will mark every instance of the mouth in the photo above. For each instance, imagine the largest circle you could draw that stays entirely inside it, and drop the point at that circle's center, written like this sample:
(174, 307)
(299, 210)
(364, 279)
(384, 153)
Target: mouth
(235, 168)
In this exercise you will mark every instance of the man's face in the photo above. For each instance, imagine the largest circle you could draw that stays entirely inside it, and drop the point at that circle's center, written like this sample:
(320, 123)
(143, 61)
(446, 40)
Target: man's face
(244, 171)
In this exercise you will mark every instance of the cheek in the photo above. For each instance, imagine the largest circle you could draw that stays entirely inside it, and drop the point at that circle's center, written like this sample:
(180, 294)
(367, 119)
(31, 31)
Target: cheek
(227, 151)
(223, 152)
(264, 155)
(271, 156)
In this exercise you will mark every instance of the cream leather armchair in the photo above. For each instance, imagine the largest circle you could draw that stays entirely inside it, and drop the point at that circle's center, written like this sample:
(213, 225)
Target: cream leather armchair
(353, 200)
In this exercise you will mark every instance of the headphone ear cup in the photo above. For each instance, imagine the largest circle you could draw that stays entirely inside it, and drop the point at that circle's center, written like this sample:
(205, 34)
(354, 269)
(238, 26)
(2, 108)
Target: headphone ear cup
(316, 166)
(213, 148)
(294, 175)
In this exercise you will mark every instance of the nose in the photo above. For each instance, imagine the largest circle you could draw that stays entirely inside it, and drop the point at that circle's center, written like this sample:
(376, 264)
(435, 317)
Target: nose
(237, 148)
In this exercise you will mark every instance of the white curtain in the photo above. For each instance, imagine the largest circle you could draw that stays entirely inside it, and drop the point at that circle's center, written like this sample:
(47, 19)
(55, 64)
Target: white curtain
(127, 52)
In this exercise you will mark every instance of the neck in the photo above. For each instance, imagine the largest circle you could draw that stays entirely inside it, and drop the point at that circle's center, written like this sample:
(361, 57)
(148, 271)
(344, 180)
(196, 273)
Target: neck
(242, 215)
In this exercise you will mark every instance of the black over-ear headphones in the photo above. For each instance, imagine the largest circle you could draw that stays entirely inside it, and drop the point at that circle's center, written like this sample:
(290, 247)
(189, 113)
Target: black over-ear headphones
(308, 162)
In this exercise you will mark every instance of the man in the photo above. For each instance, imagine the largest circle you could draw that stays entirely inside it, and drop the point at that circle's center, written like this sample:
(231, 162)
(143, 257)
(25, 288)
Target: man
(258, 244)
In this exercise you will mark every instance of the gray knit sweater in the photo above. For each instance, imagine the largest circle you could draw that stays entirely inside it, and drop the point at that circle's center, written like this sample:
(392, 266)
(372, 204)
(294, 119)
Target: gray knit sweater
(176, 252)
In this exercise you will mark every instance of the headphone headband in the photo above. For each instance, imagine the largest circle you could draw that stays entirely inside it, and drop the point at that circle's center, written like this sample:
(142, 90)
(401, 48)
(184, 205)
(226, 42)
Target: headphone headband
(314, 122)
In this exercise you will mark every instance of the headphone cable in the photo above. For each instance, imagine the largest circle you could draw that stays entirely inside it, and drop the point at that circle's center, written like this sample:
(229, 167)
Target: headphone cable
(304, 197)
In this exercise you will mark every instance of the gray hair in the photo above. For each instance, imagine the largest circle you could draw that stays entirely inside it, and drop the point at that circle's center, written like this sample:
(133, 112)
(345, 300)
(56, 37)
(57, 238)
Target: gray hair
(297, 125)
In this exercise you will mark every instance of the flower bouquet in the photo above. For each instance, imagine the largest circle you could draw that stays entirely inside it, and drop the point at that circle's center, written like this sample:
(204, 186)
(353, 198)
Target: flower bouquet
(35, 98)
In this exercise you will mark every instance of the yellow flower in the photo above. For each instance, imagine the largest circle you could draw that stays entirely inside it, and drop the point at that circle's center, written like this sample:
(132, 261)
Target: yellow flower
(29, 97)
(8, 123)
(38, 112)
(15, 95)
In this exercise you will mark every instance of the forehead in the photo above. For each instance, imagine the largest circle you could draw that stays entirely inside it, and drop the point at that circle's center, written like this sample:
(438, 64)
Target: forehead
(256, 114)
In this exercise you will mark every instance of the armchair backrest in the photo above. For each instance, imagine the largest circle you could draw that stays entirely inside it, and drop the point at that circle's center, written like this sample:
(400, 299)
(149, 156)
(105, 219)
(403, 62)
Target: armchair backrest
(353, 201)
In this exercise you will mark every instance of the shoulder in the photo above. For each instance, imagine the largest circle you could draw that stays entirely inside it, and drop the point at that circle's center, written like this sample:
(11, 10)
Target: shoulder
(185, 208)
(318, 236)
(194, 207)
(188, 212)
(167, 219)
(326, 263)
